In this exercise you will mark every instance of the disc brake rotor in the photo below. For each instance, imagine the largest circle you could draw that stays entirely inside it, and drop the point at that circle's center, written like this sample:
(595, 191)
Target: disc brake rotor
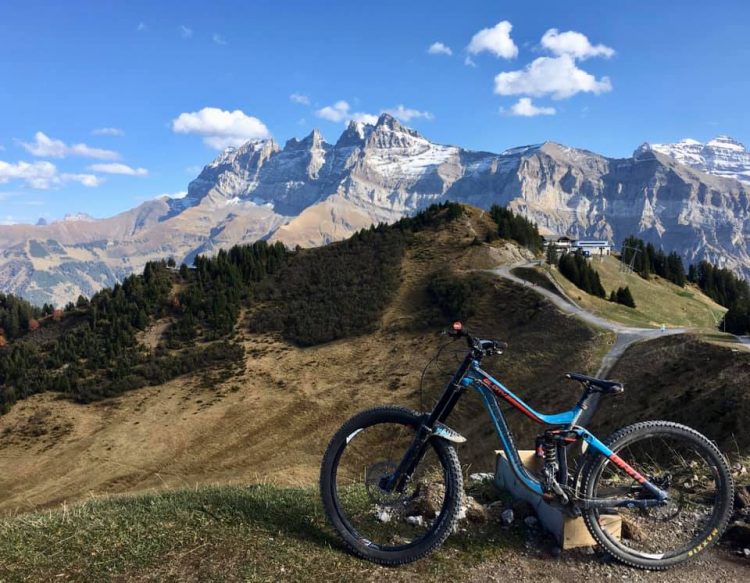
(373, 477)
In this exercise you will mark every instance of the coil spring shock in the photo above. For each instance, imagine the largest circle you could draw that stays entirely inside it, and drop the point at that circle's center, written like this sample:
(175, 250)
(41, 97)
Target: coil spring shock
(551, 466)
(549, 448)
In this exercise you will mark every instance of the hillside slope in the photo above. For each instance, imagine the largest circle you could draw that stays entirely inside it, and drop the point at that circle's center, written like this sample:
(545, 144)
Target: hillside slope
(271, 418)
(657, 301)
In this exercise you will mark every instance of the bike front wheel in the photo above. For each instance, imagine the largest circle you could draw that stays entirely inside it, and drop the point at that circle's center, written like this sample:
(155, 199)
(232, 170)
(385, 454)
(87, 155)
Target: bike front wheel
(677, 459)
(389, 527)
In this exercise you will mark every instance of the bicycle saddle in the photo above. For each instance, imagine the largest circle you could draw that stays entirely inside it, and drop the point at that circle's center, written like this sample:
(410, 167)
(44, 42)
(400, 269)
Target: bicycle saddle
(599, 385)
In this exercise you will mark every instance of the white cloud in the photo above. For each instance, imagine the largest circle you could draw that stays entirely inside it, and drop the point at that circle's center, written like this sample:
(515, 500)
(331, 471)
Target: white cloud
(495, 40)
(108, 132)
(406, 114)
(558, 77)
(186, 32)
(117, 168)
(368, 118)
(218, 39)
(299, 98)
(575, 44)
(469, 62)
(341, 112)
(44, 146)
(88, 180)
(42, 175)
(524, 107)
(34, 174)
(221, 128)
(337, 112)
(438, 48)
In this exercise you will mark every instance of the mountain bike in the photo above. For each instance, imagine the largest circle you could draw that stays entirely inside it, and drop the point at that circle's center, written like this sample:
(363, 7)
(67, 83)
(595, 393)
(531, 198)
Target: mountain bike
(392, 485)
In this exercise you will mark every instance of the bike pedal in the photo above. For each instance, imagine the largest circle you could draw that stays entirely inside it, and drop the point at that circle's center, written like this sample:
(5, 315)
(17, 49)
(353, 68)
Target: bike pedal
(445, 432)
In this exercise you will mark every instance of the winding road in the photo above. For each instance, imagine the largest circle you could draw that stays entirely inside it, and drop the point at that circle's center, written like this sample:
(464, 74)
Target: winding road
(624, 335)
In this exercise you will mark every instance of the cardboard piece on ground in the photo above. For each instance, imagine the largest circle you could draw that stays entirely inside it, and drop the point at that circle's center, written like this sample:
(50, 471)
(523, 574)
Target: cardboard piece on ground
(569, 532)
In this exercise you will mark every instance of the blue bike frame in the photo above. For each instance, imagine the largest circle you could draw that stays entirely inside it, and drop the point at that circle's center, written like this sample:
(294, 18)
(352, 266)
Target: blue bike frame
(489, 387)
(470, 374)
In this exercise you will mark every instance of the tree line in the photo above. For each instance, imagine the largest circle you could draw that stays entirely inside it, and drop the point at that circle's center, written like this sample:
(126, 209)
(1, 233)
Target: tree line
(92, 350)
(646, 259)
(340, 290)
(726, 289)
(515, 227)
(17, 317)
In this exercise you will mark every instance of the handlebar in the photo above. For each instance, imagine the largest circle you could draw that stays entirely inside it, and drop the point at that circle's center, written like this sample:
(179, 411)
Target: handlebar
(479, 346)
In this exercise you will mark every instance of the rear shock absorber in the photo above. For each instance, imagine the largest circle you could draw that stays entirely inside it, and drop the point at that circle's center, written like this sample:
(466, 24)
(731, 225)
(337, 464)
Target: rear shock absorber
(552, 487)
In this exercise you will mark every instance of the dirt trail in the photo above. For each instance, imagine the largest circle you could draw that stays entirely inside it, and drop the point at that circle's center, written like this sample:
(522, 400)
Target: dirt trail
(625, 335)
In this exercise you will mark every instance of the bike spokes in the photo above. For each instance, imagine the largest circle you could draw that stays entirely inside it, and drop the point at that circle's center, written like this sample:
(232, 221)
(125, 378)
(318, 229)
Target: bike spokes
(385, 517)
(691, 482)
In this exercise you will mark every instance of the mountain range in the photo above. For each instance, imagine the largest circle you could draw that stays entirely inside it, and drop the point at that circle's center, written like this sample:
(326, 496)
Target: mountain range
(687, 197)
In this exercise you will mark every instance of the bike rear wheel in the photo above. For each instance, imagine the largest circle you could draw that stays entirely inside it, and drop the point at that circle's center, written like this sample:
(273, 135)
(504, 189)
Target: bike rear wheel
(389, 528)
(685, 464)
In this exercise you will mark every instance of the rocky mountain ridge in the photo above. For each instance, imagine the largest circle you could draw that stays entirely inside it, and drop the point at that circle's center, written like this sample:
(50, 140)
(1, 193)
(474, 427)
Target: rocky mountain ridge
(310, 192)
(722, 156)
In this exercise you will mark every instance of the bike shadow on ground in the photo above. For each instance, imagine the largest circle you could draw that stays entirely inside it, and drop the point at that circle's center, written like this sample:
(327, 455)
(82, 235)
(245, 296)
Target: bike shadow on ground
(297, 514)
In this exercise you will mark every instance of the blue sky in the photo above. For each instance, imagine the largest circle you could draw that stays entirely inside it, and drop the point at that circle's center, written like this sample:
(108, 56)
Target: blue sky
(103, 102)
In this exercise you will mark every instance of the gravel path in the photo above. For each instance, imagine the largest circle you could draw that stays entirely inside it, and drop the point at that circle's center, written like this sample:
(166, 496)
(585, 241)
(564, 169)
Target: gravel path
(715, 566)
(625, 335)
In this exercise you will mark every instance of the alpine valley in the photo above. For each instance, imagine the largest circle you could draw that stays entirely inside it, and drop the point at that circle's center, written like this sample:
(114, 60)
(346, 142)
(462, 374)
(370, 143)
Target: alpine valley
(690, 197)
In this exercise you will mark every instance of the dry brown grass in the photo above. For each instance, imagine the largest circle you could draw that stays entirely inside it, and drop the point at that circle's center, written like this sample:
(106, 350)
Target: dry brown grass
(272, 421)
(688, 380)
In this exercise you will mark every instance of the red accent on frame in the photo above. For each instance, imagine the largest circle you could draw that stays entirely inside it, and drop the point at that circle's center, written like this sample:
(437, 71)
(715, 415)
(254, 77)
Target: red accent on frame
(498, 391)
(627, 468)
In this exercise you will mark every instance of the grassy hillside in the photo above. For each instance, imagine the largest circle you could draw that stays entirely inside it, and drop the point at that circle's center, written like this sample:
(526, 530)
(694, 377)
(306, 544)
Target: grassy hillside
(271, 417)
(268, 417)
(257, 533)
(687, 380)
(263, 533)
(657, 300)
(105, 346)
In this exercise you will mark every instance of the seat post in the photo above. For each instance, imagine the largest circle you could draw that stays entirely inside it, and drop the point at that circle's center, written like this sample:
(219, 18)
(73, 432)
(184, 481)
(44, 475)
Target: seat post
(583, 403)
(588, 404)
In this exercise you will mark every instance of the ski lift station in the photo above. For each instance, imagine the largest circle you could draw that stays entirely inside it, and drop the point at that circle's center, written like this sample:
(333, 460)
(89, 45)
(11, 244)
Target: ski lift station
(589, 248)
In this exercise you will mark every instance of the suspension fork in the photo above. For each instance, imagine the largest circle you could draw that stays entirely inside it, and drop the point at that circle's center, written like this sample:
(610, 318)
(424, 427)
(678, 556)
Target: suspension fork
(414, 454)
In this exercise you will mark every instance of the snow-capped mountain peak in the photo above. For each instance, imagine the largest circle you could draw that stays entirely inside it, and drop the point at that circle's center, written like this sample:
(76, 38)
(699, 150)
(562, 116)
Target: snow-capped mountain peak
(727, 143)
(722, 156)
(77, 217)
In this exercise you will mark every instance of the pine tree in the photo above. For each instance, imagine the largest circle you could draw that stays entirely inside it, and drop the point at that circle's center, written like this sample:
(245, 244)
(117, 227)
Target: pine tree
(625, 298)
(551, 255)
